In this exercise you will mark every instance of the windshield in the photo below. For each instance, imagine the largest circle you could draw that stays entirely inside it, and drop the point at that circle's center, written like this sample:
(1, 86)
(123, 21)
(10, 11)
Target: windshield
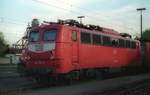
(34, 36)
(50, 35)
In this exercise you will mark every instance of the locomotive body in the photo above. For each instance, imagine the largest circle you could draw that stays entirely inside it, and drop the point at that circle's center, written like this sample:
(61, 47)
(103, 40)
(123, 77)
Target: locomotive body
(59, 49)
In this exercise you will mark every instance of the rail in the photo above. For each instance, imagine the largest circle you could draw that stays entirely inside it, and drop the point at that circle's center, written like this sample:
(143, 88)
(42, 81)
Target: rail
(136, 88)
(140, 86)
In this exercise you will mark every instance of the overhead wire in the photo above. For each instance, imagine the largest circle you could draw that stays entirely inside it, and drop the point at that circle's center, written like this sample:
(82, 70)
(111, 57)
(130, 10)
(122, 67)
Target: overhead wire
(75, 12)
(11, 21)
(72, 11)
(95, 13)
(5, 21)
(87, 10)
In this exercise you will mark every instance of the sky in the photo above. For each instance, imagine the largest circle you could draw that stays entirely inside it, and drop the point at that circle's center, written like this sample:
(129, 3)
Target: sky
(120, 15)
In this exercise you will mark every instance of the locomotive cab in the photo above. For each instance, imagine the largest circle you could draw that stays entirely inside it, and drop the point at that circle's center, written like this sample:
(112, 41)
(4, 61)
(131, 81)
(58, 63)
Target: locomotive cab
(39, 55)
(42, 42)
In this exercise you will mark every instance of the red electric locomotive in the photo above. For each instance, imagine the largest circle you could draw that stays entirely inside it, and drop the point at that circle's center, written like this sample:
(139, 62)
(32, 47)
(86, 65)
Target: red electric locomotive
(72, 49)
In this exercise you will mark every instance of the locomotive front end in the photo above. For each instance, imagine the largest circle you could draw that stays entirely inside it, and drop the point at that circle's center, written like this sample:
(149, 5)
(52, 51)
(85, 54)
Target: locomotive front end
(40, 53)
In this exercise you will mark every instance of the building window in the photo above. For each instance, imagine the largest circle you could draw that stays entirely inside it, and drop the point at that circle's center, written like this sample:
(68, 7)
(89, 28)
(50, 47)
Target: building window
(96, 39)
(106, 41)
(85, 38)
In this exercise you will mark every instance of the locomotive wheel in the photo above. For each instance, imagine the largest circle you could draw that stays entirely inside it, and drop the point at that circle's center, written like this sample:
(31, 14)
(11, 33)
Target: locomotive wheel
(72, 77)
(44, 80)
(99, 74)
(94, 74)
(69, 79)
(90, 73)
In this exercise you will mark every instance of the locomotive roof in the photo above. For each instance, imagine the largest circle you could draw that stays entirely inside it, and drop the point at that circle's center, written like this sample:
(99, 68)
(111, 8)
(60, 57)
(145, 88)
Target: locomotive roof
(75, 25)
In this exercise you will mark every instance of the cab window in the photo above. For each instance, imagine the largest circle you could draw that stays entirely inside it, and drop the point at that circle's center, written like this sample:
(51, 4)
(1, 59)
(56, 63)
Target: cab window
(34, 36)
(50, 35)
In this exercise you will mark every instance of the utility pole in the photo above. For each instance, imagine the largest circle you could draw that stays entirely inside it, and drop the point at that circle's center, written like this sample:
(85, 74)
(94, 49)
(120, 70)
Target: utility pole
(141, 18)
(142, 44)
(80, 18)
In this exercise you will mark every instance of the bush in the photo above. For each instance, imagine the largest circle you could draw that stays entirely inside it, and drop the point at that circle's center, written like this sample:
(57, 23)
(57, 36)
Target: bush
(146, 35)
(3, 45)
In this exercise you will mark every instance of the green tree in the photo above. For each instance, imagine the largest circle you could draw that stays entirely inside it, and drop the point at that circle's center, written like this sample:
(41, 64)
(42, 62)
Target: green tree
(146, 35)
(3, 44)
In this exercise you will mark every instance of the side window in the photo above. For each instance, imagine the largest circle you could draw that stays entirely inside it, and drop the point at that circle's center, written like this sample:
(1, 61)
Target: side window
(114, 42)
(133, 44)
(96, 39)
(85, 38)
(34, 36)
(128, 45)
(74, 36)
(106, 41)
(121, 43)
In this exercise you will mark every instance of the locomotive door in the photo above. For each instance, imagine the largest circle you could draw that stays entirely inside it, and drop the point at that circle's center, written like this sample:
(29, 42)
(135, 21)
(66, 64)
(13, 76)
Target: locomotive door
(75, 49)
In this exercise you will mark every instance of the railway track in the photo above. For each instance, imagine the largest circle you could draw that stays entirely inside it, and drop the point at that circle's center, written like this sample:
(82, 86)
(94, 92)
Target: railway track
(137, 88)
(11, 81)
(136, 85)
(14, 84)
(140, 87)
(8, 67)
(15, 89)
(8, 70)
